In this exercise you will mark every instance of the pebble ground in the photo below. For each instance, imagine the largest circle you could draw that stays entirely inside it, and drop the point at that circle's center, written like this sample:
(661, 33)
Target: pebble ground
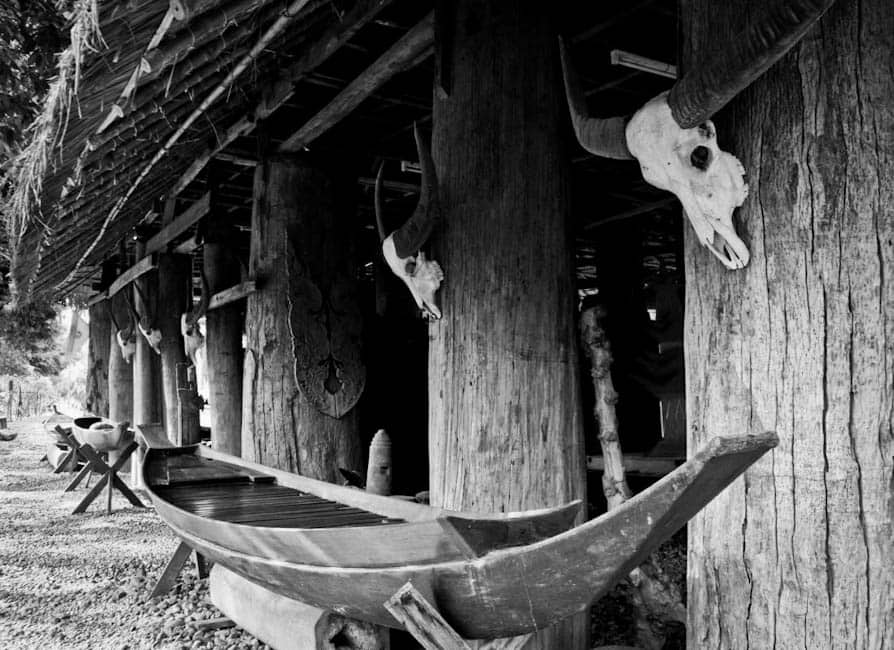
(83, 581)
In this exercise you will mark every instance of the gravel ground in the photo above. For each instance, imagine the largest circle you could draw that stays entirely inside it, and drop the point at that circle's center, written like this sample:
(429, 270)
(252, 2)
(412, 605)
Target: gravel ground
(82, 581)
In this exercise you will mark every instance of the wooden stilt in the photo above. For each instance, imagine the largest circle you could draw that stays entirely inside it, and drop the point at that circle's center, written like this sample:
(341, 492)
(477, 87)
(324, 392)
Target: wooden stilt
(109, 477)
(171, 571)
(223, 331)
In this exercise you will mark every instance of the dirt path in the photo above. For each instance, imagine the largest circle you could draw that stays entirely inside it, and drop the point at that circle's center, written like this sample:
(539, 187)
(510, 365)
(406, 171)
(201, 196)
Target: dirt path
(82, 581)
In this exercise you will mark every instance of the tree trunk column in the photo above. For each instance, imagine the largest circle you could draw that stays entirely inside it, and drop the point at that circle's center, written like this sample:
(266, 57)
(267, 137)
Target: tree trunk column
(801, 552)
(120, 388)
(302, 325)
(223, 344)
(174, 298)
(98, 353)
(147, 406)
(505, 427)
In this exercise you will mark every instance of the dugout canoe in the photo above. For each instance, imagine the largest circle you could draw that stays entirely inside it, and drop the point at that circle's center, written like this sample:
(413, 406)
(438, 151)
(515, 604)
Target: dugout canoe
(342, 549)
(102, 434)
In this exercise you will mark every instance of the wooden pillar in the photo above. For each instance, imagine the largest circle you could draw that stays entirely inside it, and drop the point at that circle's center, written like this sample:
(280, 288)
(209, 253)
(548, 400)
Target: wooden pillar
(223, 342)
(98, 354)
(120, 388)
(800, 552)
(303, 371)
(505, 424)
(146, 363)
(174, 298)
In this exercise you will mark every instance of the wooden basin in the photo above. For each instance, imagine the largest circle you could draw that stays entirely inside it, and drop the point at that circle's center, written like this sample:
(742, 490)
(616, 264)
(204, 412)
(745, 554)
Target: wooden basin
(102, 434)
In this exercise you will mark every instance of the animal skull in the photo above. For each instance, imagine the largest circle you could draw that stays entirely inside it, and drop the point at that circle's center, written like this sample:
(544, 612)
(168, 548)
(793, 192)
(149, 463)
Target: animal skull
(708, 182)
(127, 343)
(152, 336)
(422, 276)
(193, 339)
(402, 248)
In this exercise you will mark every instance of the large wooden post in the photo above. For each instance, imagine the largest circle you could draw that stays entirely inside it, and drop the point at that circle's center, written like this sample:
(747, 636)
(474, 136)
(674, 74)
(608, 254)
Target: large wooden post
(505, 426)
(98, 353)
(174, 297)
(223, 341)
(146, 364)
(800, 553)
(121, 373)
(302, 369)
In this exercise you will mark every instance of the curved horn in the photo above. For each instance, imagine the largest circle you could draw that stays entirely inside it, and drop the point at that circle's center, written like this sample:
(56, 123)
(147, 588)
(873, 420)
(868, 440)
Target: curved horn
(380, 223)
(705, 90)
(600, 136)
(193, 316)
(410, 237)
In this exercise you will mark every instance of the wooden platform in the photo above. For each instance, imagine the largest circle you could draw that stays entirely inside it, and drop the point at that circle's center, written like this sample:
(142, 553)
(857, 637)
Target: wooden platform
(264, 504)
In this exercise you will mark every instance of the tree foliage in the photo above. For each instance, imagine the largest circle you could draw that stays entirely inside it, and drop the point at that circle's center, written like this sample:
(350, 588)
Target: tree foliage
(28, 341)
(32, 33)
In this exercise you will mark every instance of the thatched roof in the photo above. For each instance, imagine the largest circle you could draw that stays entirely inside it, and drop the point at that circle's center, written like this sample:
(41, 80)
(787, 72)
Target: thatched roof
(142, 87)
(151, 90)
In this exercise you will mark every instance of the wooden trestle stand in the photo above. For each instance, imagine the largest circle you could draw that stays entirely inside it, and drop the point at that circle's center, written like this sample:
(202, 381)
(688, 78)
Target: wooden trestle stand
(109, 478)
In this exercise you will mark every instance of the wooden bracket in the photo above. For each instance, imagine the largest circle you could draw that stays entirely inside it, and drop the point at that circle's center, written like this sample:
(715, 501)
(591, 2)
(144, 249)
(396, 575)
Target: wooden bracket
(420, 618)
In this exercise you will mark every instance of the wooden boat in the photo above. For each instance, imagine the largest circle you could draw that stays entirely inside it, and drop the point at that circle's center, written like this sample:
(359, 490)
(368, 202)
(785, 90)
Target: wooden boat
(102, 434)
(490, 576)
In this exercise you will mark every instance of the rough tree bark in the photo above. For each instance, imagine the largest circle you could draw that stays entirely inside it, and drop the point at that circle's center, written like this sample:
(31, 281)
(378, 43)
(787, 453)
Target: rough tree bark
(305, 312)
(174, 298)
(97, 399)
(505, 428)
(147, 404)
(120, 389)
(801, 552)
(223, 343)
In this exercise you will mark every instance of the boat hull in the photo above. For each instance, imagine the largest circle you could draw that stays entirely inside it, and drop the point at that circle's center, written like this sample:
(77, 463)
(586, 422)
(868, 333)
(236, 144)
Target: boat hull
(508, 591)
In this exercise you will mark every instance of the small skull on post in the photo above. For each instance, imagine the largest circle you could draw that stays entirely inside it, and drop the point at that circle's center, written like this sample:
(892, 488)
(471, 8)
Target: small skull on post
(193, 339)
(401, 248)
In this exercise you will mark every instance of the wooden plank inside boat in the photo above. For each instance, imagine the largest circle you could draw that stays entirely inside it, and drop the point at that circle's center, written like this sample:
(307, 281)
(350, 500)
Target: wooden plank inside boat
(238, 500)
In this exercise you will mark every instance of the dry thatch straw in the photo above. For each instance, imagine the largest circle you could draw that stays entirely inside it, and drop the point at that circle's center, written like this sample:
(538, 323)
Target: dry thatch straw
(46, 133)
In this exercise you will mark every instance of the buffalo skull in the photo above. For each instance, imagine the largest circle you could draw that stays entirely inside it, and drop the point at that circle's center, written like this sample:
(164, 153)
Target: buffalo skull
(402, 248)
(687, 162)
(673, 138)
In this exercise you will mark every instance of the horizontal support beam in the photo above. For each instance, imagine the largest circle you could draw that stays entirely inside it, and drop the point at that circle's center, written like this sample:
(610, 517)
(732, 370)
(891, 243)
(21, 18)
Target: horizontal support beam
(144, 266)
(408, 51)
(179, 224)
(637, 464)
(232, 294)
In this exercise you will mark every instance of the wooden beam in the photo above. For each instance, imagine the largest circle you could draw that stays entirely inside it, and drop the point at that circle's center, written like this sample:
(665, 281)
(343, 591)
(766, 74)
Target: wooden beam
(232, 294)
(284, 87)
(633, 212)
(179, 224)
(638, 464)
(148, 263)
(398, 58)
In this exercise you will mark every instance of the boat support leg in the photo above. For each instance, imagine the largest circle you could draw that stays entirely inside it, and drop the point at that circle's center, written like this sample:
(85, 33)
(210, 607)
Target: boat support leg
(172, 569)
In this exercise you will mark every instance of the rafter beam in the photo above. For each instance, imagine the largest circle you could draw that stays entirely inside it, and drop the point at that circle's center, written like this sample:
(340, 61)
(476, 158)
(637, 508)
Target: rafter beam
(408, 50)
(284, 87)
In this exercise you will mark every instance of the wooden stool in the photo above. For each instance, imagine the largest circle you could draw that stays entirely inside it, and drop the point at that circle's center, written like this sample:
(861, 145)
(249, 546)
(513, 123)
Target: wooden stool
(109, 477)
